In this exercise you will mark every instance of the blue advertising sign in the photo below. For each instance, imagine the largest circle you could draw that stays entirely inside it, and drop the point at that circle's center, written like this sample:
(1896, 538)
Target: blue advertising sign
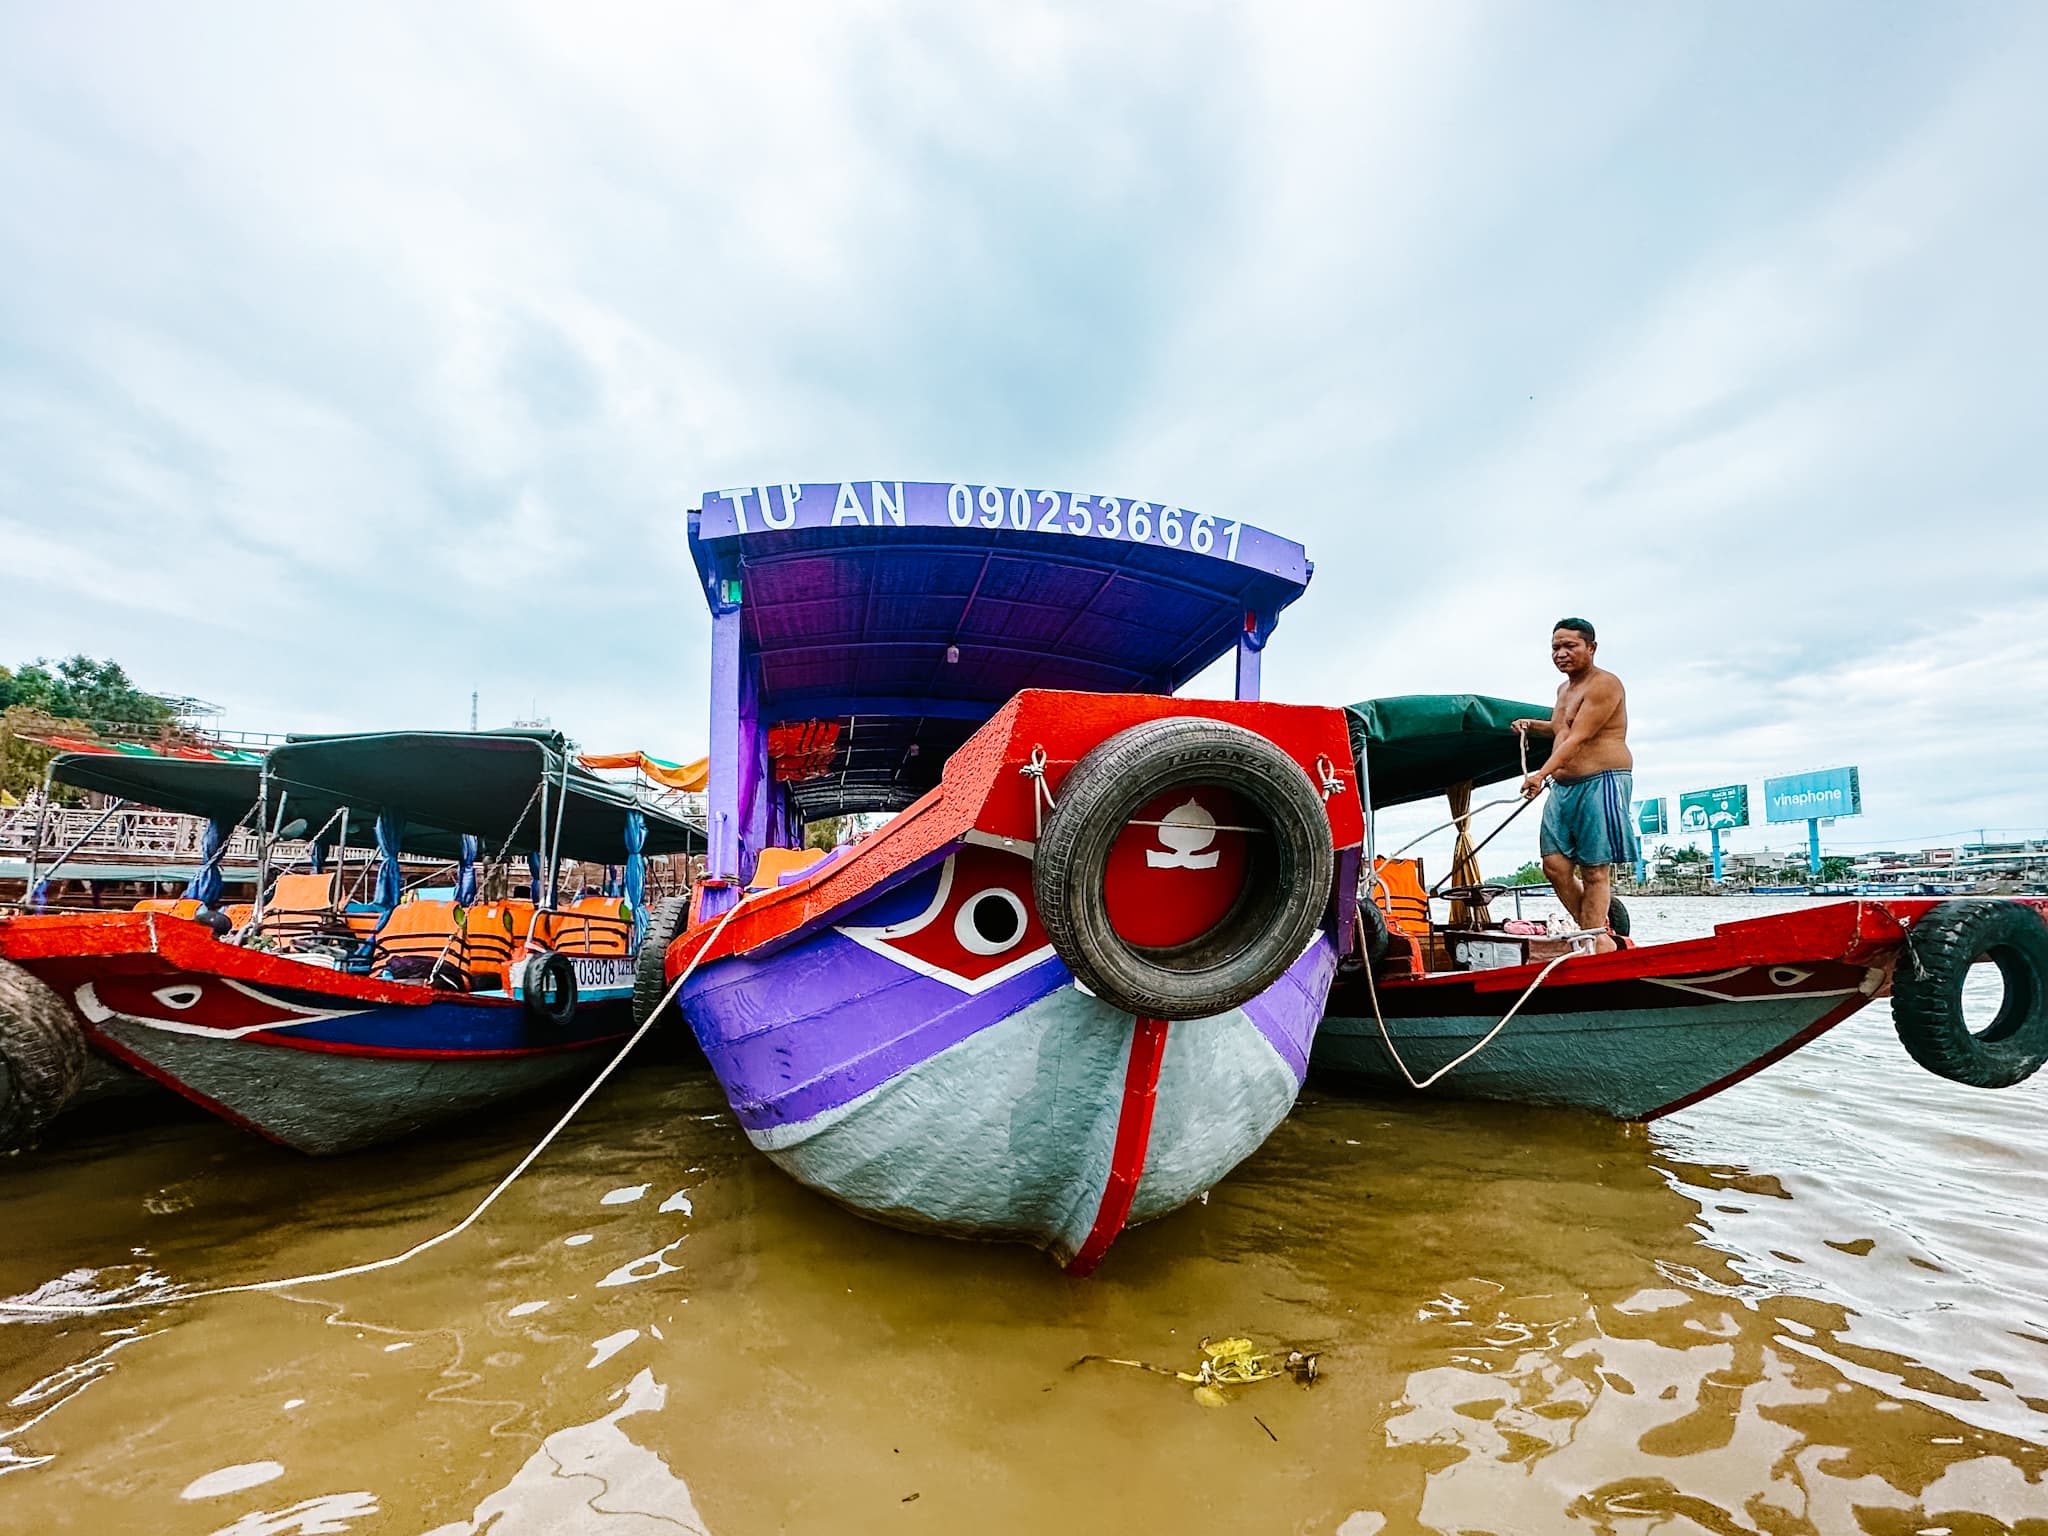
(1650, 820)
(1714, 810)
(1810, 796)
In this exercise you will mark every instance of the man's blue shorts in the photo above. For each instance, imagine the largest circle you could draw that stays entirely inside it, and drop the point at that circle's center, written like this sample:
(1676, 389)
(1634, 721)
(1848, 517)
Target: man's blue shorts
(1588, 819)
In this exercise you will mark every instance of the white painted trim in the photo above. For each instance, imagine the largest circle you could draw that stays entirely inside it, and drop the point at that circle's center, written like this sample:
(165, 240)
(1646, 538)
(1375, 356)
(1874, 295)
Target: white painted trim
(876, 939)
(1729, 997)
(97, 1012)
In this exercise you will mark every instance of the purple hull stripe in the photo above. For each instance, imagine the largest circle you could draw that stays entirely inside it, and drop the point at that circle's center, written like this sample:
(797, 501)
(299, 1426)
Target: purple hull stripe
(1287, 1012)
(816, 1026)
(812, 1027)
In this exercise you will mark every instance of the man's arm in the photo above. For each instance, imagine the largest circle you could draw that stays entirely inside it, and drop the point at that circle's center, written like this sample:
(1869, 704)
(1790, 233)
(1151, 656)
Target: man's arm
(1595, 713)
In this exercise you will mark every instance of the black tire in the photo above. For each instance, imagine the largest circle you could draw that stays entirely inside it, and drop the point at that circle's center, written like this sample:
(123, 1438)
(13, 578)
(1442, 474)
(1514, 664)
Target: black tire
(1285, 894)
(1373, 922)
(665, 924)
(1618, 920)
(1927, 992)
(550, 991)
(42, 1057)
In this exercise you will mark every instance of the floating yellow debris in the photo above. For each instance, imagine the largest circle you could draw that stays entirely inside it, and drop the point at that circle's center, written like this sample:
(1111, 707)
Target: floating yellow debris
(1227, 1363)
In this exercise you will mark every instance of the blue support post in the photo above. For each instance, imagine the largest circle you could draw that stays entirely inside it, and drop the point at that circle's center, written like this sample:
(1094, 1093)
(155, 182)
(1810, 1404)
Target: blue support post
(1251, 645)
(1813, 845)
(1714, 833)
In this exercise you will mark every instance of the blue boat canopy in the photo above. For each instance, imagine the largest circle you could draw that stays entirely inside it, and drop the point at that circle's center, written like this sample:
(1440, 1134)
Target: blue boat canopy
(862, 630)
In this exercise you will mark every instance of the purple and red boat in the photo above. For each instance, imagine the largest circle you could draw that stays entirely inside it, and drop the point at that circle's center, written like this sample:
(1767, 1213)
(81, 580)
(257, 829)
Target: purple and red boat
(329, 1023)
(1470, 1009)
(1073, 979)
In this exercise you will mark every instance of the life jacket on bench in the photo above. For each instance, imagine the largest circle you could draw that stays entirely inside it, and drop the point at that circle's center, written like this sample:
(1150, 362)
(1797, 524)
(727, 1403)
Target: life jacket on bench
(592, 925)
(425, 941)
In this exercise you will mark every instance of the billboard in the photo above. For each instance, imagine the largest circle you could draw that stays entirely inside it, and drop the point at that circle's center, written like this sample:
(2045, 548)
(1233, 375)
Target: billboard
(1650, 820)
(1811, 796)
(1705, 810)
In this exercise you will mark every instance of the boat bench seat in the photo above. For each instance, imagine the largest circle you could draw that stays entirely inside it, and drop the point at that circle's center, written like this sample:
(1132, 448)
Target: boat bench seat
(182, 906)
(492, 930)
(592, 925)
(1399, 893)
(425, 941)
(302, 905)
(776, 865)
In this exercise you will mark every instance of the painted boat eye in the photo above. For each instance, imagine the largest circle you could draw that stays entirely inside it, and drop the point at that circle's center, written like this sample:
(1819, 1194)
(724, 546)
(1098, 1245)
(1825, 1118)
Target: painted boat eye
(990, 922)
(180, 998)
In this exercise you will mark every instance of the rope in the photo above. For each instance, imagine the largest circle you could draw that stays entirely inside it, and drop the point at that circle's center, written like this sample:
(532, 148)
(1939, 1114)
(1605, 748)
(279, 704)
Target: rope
(373, 1265)
(1527, 993)
(1041, 795)
(1042, 800)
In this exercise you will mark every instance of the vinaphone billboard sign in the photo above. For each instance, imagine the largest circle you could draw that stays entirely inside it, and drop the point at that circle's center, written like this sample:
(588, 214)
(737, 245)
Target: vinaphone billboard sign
(1812, 796)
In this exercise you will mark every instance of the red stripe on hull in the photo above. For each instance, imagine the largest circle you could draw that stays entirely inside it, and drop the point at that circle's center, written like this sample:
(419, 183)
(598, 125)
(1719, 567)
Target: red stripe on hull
(149, 1069)
(1133, 1136)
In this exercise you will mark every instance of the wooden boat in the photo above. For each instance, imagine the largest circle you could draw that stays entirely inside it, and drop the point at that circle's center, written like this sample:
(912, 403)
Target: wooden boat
(330, 1025)
(1472, 1010)
(1072, 981)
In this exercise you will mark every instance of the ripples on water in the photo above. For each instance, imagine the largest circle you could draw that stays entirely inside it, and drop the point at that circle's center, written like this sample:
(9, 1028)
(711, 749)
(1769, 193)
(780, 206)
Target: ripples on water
(1814, 1303)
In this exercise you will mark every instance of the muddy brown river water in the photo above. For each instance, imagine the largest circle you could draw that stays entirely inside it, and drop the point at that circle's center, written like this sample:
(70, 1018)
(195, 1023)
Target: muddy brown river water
(1814, 1303)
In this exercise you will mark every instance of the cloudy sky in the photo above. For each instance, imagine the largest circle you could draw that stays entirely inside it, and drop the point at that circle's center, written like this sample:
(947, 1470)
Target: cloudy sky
(353, 358)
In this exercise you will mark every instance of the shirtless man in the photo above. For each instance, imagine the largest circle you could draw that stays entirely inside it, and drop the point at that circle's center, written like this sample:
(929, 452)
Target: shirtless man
(1587, 826)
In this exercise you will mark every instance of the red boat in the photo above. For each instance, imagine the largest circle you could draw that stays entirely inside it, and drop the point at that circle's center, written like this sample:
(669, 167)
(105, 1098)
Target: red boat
(329, 1024)
(1469, 1009)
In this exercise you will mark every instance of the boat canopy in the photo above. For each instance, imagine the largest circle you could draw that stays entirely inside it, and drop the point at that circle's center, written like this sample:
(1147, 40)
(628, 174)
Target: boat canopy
(220, 790)
(862, 630)
(1420, 744)
(487, 783)
(441, 784)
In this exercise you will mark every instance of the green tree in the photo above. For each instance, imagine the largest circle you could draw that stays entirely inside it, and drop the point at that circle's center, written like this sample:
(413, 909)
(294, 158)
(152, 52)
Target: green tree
(78, 689)
(82, 688)
(1686, 855)
(1529, 874)
(823, 833)
(1835, 867)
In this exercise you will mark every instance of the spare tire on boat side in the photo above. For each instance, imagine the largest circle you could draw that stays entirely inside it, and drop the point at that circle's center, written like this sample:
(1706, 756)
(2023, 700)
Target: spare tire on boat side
(550, 990)
(42, 1057)
(1375, 938)
(1619, 922)
(1282, 899)
(665, 925)
(1927, 992)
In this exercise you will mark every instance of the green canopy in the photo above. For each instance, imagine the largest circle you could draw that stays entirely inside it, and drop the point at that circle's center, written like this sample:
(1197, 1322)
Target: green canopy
(444, 783)
(221, 791)
(476, 781)
(1420, 744)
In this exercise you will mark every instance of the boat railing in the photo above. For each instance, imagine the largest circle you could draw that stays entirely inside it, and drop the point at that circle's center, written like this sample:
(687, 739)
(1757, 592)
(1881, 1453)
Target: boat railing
(129, 836)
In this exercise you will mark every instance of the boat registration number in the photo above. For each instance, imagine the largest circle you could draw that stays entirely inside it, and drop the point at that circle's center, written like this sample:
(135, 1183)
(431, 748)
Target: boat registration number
(601, 972)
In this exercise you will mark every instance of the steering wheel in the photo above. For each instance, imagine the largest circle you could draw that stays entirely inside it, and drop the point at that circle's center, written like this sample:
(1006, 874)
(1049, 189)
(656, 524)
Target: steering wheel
(1472, 893)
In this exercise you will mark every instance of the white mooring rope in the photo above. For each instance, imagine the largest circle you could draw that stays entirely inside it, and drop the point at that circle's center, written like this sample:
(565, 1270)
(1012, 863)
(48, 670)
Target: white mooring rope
(1380, 1018)
(371, 1266)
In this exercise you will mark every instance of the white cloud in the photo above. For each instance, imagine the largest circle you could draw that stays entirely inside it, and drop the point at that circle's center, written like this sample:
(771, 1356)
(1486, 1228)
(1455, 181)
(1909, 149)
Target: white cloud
(350, 363)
